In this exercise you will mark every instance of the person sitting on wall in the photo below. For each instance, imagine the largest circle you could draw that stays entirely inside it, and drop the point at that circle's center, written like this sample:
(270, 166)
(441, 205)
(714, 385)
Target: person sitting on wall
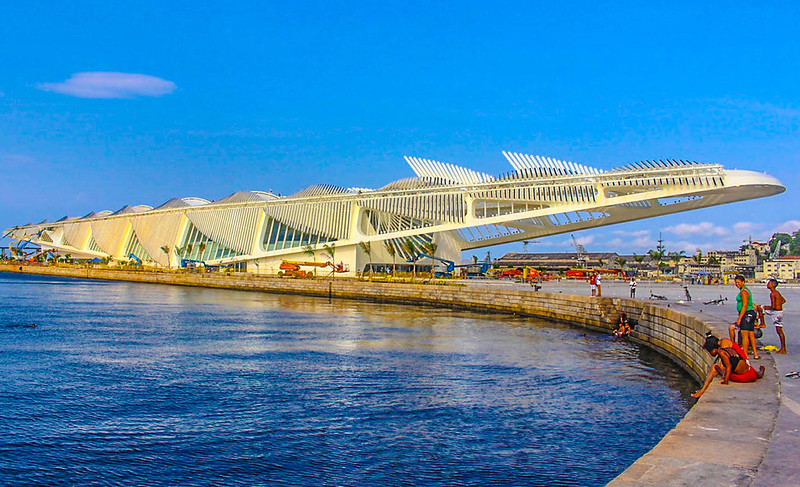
(624, 329)
(733, 364)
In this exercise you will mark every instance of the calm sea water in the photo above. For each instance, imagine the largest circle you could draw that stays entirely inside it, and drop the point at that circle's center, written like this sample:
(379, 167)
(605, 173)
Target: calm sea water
(136, 384)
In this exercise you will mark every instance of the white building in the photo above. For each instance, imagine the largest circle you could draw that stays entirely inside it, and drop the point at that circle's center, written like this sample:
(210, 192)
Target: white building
(454, 207)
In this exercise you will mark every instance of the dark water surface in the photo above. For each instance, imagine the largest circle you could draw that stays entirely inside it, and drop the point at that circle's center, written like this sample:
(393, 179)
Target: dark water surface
(138, 384)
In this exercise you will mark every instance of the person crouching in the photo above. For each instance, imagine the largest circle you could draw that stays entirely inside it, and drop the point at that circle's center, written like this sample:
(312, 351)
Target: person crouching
(733, 364)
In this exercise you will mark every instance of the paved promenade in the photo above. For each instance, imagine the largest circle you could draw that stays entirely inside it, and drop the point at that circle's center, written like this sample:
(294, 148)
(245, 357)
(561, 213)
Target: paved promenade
(781, 467)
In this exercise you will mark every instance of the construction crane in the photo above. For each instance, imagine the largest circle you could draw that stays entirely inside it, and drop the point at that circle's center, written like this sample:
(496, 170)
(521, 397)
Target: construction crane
(292, 268)
(580, 250)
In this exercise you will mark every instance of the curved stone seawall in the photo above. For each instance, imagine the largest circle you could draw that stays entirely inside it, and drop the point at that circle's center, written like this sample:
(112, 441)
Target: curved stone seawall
(721, 441)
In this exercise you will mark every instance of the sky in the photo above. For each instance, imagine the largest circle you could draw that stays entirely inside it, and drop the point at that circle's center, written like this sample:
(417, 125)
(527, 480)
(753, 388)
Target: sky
(104, 104)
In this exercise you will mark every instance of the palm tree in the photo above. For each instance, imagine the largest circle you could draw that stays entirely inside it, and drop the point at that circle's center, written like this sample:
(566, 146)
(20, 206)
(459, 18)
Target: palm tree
(698, 257)
(712, 260)
(393, 252)
(656, 256)
(430, 248)
(676, 257)
(310, 250)
(201, 248)
(367, 248)
(601, 262)
(167, 250)
(411, 250)
(620, 261)
(188, 250)
(330, 252)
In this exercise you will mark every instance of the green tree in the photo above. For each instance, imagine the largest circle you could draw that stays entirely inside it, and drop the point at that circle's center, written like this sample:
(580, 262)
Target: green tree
(712, 260)
(676, 257)
(167, 250)
(601, 262)
(656, 256)
(621, 261)
(779, 240)
(330, 252)
(430, 248)
(366, 247)
(411, 250)
(200, 249)
(393, 253)
(311, 251)
(698, 257)
(794, 244)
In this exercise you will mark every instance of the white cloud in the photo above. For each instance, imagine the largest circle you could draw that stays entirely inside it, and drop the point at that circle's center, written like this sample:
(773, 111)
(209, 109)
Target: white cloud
(583, 240)
(790, 226)
(746, 227)
(110, 85)
(16, 160)
(634, 233)
(702, 228)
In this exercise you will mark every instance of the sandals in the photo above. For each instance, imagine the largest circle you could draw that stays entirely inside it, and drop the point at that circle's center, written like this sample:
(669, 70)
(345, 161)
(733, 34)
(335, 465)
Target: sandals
(794, 375)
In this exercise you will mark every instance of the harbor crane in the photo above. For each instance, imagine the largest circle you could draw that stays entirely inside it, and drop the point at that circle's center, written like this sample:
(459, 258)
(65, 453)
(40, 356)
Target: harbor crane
(580, 250)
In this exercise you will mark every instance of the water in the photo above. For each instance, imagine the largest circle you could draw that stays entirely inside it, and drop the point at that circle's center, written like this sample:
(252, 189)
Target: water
(122, 383)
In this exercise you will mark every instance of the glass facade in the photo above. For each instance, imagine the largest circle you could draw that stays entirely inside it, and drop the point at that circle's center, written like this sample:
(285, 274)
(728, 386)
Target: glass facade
(198, 246)
(279, 236)
(92, 245)
(134, 247)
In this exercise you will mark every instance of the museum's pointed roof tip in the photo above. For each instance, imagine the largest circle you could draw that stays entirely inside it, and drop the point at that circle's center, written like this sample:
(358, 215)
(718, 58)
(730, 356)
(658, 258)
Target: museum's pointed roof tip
(319, 190)
(182, 203)
(246, 196)
(96, 214)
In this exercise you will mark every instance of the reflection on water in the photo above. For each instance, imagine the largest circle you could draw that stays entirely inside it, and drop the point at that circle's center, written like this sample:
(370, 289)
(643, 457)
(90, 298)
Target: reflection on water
(147, 384)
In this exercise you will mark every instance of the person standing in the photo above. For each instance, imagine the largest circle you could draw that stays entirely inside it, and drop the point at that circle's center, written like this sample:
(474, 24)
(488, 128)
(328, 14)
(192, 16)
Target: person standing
(593, 283)
(776, 302)
(599, 282)
(746, 321)
(633, 288)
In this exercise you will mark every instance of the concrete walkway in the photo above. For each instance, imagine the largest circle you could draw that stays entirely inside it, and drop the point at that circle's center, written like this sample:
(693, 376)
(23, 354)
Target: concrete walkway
(780, 468)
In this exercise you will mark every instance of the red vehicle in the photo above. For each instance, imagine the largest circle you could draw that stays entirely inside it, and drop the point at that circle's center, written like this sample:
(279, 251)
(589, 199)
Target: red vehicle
(584, 273)
(510, 273)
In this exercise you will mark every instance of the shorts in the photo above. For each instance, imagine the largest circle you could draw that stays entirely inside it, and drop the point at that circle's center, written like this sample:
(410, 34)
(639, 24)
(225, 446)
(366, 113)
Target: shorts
(777, 318)
(748, 321)
(593, 287)
(750, 376)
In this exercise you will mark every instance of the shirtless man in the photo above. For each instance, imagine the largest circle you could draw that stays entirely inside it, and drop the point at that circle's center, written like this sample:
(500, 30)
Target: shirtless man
(776, 301)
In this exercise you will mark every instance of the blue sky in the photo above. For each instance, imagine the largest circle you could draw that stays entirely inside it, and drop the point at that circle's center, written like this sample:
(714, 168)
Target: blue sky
(216, 97)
